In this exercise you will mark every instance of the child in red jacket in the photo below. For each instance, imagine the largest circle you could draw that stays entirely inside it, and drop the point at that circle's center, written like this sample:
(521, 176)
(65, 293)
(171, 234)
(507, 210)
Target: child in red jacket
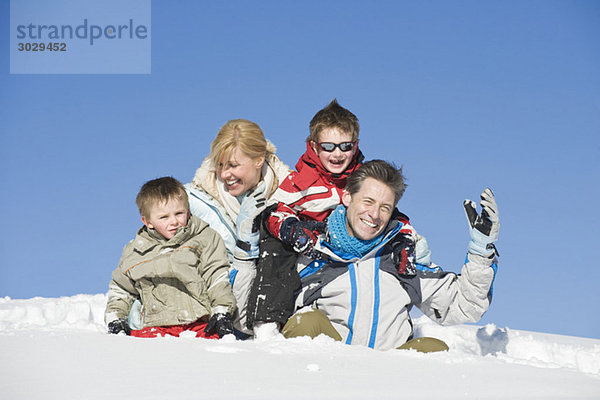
(304, 200)
(315, 190)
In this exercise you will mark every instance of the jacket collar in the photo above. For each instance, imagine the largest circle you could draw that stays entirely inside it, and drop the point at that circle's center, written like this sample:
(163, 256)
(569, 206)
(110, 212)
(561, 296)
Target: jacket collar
(147, 239)
(391, 230)
(205, 177)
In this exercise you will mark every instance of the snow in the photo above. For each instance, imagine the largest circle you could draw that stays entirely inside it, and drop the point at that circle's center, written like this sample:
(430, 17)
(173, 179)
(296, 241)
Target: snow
(57, 348)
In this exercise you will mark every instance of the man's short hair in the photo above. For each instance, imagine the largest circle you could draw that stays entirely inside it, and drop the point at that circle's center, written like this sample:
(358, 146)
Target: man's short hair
(333, 116)
(380, 170)
(159, 190)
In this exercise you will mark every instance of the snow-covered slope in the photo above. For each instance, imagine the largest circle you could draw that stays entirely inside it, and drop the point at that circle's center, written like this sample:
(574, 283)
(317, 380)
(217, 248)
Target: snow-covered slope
(58, 349)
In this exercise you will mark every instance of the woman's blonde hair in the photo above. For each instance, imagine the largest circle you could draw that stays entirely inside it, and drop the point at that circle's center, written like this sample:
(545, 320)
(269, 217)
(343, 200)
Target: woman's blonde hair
(243, 134)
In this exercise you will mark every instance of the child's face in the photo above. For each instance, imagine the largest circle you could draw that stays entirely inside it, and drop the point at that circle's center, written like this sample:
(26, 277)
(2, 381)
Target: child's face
(336, 161)
(167, 217)
(240, 173)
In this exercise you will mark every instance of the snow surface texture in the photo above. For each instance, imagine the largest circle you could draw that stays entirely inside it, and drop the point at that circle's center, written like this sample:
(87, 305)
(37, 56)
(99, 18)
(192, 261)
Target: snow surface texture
(59, 349)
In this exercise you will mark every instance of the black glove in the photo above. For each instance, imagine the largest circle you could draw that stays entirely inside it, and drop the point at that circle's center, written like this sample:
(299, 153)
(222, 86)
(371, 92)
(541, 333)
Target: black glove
(119, 325)
(403, 250)
(301, 235)
(220, 324)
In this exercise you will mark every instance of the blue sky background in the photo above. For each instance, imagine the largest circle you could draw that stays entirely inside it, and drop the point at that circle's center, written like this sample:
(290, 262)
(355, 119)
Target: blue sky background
(462, 94)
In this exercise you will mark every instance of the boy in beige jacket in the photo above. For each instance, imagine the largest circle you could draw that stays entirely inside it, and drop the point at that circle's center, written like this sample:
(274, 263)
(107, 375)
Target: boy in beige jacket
(177, 267)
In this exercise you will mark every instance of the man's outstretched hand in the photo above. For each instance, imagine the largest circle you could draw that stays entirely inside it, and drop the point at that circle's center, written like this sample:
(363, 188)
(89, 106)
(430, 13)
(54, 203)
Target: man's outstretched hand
(483, 228)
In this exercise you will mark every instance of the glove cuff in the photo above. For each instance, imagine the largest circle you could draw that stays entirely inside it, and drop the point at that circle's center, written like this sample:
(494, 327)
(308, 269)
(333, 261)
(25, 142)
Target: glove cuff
(422, 251)
(111, 317)
(219, 310)
(480, 249)
(481, 244)
(246, 250)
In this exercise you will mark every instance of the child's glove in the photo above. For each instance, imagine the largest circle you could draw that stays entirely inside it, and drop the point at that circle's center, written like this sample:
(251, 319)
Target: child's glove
(220, 324)
(252, 204)
(403, 251)
(422, 251)
(301, 235)
(483, 228)
(119, 325)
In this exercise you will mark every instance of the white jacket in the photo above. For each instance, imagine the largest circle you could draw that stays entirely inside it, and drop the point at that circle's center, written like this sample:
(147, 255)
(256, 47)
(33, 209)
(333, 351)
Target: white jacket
(207, 203)
(368, 301)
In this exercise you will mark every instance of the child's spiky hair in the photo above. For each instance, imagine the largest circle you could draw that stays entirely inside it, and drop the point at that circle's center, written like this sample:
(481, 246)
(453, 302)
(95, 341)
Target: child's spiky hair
(333, 116)
(159, 190)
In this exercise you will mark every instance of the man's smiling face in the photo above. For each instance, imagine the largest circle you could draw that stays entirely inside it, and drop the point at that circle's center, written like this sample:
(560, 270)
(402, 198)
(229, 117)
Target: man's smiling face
(369, 210)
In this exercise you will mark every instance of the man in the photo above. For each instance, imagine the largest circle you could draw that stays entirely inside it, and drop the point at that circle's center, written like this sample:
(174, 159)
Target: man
(304, 200)
(355, 290)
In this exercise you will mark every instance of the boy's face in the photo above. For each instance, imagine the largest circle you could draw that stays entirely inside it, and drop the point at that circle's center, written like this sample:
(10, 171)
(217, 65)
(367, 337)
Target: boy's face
(336, 161)
(369, 210)
(167, 217)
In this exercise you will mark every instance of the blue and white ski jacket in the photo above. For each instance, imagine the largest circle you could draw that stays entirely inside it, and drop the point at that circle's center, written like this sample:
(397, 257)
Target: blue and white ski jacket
(368, 301)
(206, 204)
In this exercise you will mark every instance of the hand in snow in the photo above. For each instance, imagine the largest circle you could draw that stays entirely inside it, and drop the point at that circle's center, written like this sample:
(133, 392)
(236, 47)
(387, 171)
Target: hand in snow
(220, 324)
(117, 326)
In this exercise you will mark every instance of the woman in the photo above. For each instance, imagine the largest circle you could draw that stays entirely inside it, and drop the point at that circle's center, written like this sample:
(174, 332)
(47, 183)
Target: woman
(229, 189)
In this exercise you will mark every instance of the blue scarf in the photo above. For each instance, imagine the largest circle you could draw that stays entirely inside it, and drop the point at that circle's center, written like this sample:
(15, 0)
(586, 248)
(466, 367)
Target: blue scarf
(340, 239)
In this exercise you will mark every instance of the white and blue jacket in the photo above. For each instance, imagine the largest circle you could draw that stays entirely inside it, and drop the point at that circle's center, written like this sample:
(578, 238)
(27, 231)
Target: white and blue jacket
(368, 301)
(210, 210)
(205, 203)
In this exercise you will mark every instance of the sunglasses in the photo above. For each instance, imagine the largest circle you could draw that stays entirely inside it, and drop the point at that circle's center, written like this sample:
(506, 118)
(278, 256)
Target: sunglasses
(330, 147)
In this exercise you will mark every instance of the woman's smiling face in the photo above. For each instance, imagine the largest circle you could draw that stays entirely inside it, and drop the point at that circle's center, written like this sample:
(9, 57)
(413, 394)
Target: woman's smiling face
(239, 173)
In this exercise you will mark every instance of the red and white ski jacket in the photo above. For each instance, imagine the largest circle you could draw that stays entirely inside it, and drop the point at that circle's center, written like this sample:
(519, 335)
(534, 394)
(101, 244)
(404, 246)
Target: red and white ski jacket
(311, 193)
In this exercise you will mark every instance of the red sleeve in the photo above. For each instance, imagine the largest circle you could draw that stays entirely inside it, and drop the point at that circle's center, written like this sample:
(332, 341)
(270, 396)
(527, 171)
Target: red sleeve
(303, 196)
(280, 214)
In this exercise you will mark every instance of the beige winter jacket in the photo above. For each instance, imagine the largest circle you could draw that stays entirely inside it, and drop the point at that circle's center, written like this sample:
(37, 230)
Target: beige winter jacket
(178, 281)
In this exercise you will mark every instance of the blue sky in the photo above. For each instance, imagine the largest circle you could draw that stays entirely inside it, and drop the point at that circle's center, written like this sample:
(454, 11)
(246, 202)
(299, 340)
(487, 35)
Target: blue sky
(463, 95)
